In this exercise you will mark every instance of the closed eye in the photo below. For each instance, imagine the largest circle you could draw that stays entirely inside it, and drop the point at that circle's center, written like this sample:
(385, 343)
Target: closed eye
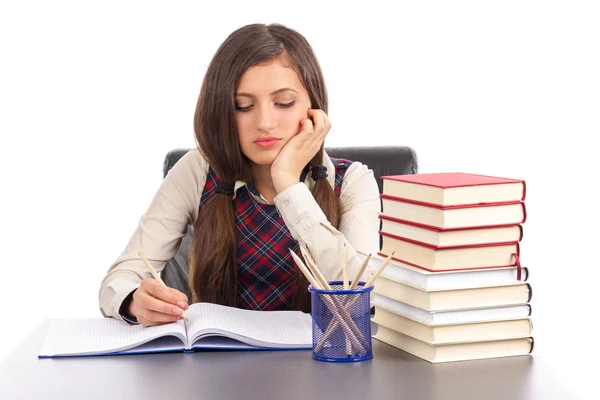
(282, 105)
(288, 105)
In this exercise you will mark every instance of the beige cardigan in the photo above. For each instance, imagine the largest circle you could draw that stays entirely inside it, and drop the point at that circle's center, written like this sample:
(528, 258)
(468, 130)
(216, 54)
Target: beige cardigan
(176, 204)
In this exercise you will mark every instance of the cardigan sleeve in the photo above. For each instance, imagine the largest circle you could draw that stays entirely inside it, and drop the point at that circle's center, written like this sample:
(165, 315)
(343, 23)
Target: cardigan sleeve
(358, 228)
(158, 233)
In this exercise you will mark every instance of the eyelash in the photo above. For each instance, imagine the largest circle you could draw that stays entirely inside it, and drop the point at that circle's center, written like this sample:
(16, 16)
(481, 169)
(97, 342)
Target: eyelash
(248, 108)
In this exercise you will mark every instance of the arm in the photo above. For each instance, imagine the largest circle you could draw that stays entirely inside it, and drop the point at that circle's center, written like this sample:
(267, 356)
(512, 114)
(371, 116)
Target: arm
(358, 228)
(159, 233)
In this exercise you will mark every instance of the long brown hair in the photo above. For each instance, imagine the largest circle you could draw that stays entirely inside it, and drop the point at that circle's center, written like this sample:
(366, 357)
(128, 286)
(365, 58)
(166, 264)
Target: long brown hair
(213, 255)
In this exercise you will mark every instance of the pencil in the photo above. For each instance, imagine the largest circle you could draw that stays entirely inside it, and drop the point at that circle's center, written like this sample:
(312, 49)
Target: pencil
(346, 287)
(333, 324)
(156, 276)
(345, 268)
(340, 314)
(362, 269)
(312, 267)
(371, 280)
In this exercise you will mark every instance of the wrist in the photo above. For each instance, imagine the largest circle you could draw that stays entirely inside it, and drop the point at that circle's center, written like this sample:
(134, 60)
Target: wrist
(126, 311)
(282, 182)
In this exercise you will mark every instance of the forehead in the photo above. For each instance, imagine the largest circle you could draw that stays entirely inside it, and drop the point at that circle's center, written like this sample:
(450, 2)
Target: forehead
(267, 77)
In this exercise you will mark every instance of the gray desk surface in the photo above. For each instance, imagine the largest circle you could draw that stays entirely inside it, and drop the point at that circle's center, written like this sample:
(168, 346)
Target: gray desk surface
(391, 374)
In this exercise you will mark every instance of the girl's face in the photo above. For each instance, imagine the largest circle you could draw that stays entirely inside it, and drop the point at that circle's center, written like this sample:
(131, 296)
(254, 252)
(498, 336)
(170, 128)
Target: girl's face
(270, 103)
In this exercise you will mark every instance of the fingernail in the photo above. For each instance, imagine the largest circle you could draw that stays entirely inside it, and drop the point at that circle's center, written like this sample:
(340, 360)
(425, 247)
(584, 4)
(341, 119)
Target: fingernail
(177, 311)
(181, 304)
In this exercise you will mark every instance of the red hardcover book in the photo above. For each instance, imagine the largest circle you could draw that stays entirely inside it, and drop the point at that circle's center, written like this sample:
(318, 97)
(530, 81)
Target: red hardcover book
(451, 258)
(454, 216)
(454, 188)
(437, 237)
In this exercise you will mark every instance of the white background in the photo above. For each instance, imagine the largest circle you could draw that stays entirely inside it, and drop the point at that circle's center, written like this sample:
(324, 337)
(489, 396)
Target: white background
(94, 94)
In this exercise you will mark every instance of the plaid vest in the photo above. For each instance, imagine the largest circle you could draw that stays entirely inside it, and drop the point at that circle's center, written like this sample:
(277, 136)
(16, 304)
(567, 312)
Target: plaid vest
(266, 270)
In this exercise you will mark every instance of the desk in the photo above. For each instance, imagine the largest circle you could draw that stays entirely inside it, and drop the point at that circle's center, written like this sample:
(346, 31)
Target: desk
(264, 375)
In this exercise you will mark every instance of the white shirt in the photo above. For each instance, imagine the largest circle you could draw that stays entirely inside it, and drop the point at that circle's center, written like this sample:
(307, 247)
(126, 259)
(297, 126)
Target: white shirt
(177, 201)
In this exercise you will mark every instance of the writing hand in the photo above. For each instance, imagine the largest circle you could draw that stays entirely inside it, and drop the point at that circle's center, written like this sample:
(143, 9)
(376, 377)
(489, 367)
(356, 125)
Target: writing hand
(299, 150)
(154, 304)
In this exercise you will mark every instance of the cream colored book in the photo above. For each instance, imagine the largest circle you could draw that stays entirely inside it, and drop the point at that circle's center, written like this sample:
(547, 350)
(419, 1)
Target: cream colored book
(449, 317)
(474, 331)
(451, 352)
(452, 299)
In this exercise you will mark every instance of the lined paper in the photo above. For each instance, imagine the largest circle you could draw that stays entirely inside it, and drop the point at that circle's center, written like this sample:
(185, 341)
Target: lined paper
(259, 328)
(101, 335)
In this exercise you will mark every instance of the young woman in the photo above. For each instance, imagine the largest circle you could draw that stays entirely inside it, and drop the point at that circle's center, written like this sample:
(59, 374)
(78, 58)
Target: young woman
(258, 184)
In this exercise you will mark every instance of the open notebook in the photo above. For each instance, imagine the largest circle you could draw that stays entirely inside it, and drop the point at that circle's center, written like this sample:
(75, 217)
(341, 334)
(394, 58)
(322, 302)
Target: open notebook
(209, 326)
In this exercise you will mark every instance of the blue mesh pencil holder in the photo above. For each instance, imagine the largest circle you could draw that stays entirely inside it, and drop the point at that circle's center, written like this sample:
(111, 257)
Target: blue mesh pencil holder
(341, 323)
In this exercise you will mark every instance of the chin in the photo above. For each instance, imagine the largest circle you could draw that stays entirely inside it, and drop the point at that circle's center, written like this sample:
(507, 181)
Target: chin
(266, 158)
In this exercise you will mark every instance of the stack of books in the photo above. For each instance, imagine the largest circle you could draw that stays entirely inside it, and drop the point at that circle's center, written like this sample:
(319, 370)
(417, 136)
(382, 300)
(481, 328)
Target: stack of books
(454, 289)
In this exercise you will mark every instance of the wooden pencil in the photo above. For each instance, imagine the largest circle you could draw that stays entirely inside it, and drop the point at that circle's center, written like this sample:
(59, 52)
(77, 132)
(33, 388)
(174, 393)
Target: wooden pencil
(345, 268)
(340, 314)
(156, 276)
(333, 324)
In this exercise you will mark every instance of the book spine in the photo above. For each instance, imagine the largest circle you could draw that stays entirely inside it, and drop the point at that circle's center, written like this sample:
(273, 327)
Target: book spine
(532, 342)
(458, 228)
(443, 270)
(518, 264)
(440, 207)
(459, 246)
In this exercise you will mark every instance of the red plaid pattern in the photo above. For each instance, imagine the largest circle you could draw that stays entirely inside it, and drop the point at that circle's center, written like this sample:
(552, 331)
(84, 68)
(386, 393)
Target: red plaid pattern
(266, 270)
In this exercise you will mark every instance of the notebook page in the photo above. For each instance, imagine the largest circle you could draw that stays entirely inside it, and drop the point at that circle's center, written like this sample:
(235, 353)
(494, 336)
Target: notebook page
(91, 336)
(258, 328)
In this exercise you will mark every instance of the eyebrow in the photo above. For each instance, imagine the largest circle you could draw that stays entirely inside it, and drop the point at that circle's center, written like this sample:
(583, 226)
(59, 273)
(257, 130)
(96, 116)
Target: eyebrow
(273, 93)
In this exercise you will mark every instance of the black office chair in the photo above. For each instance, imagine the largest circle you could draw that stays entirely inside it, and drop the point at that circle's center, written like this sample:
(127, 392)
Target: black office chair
(383, 160)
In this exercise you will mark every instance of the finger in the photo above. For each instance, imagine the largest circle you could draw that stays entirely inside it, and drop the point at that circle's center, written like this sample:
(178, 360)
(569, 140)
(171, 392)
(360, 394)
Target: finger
(321, 129)
(183, 299)
(157, 317)
(326, 124)
(157, 290)
(318, 118)
(148, 302)
(143, 321)
(151, 318)
(307, 126)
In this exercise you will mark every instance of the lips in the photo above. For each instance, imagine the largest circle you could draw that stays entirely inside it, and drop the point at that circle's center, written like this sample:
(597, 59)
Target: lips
(266, 141)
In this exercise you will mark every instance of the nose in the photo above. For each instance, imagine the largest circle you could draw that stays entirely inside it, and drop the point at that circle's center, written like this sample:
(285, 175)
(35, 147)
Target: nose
(267, 119)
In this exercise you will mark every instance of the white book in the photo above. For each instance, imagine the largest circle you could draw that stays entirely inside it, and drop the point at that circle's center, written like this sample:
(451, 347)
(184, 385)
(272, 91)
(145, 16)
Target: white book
(209, 326)
(428, 280)
(434, 318)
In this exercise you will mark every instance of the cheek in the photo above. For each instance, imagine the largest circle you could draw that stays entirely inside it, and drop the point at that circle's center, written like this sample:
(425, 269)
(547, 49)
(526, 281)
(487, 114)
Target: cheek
(294, 120)
(243, 128)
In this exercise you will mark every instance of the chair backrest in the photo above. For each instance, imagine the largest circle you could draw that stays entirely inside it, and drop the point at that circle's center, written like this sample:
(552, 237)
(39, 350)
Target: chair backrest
(383, 160)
